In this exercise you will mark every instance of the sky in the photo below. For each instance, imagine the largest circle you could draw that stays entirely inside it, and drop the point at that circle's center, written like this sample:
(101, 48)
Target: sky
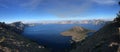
(45, 10)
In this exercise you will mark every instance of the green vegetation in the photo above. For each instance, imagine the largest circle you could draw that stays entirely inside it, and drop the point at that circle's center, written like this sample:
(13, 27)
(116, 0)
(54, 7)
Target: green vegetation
(98, 45)
(117, 19)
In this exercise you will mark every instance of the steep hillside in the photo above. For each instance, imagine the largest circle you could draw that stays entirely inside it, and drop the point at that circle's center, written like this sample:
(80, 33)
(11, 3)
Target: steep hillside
(107, 39)
(11, 41)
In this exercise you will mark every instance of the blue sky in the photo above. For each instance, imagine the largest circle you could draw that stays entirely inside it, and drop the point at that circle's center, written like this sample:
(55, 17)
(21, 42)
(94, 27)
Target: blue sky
(40, 10)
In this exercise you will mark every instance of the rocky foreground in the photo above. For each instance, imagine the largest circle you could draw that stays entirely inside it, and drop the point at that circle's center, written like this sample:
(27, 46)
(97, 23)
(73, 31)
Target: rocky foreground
(12, 41)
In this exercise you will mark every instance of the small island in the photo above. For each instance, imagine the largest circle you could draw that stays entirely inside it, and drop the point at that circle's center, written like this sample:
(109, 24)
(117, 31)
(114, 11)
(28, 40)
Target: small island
(77, 33)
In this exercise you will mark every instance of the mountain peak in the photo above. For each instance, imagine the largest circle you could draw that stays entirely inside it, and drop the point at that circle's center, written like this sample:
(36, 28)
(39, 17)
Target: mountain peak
(77, 28)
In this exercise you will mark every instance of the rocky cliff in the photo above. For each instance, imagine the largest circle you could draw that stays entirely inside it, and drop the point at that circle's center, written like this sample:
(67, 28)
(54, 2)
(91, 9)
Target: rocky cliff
(11, 41)
(17, 26)
(107, 39)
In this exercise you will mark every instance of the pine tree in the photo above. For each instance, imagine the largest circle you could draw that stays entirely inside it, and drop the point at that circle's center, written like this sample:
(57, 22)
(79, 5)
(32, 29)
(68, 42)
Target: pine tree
(117, 19)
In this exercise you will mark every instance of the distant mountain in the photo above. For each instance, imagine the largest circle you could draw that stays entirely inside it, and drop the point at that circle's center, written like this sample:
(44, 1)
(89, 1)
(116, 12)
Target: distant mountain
(32, 24)
(107, 39)
(95, 22)
(12, 41)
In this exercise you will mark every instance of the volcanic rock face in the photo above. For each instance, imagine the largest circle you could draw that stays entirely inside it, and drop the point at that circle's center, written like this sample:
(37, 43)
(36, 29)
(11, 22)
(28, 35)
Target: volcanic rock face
(18, 25)
(107, 39)
(77, 33)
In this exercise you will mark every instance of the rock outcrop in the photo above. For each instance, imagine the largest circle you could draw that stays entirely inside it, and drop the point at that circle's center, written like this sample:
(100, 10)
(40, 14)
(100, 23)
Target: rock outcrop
(17, 26)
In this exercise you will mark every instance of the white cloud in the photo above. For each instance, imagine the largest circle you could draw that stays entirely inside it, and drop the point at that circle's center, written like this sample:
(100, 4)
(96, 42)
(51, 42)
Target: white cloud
(66, 8)
(31, 4)
(69, 9)
(3, 5)
(106, 2)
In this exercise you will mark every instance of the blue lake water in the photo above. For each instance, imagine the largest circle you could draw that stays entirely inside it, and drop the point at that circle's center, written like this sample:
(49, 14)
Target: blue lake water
(49, 34)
